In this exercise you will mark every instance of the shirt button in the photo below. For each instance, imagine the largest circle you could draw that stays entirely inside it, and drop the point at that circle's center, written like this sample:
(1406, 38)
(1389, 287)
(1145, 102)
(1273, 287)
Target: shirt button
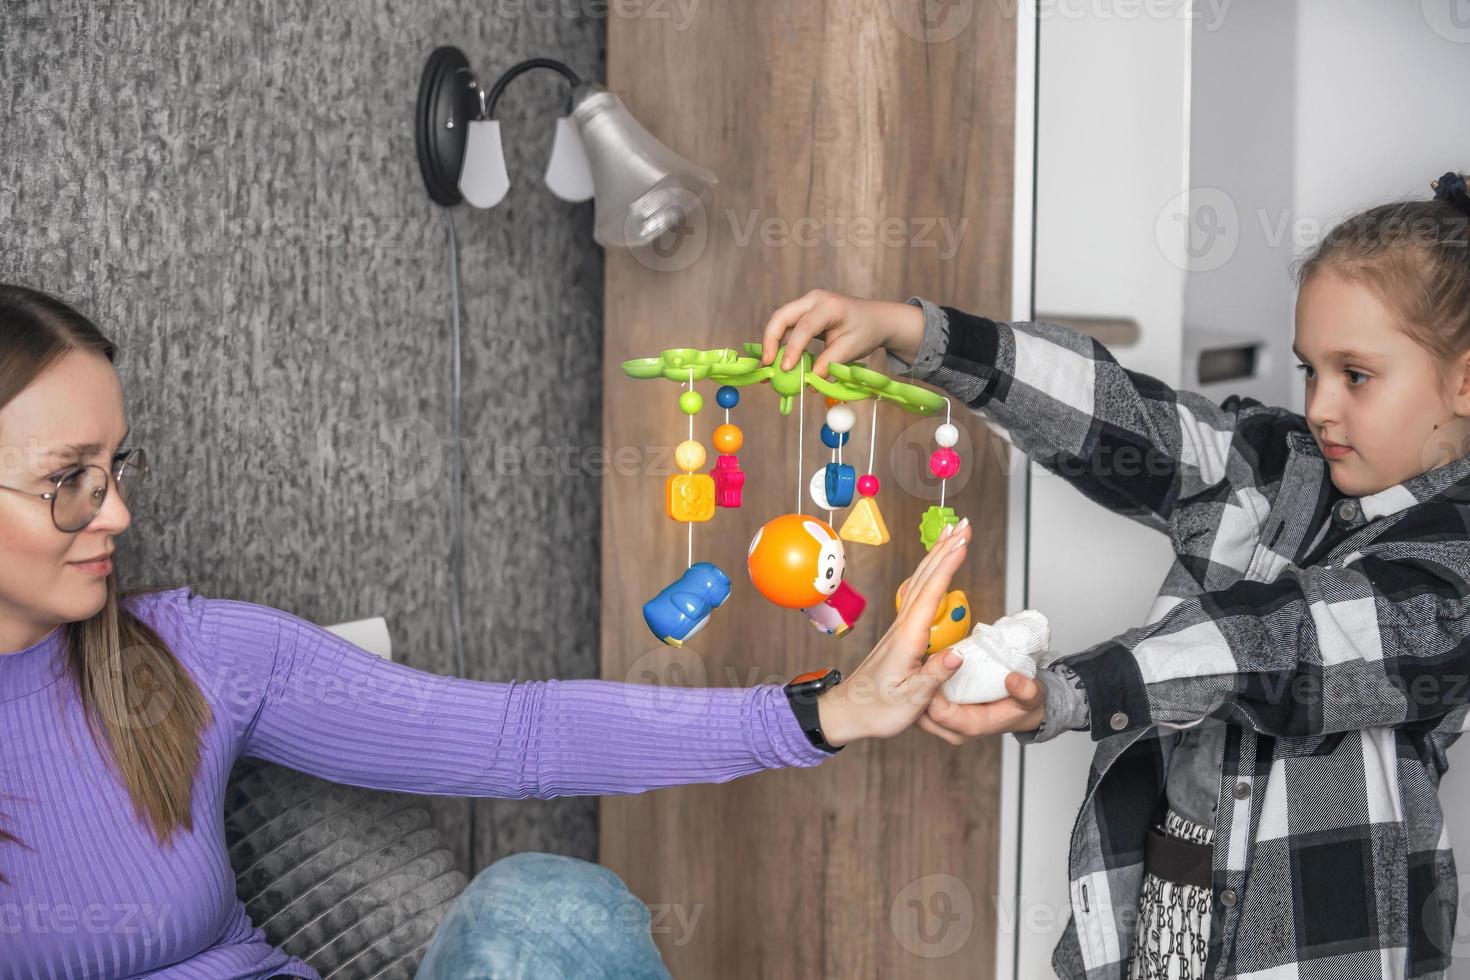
(1119, 721)
(1228, 898)
(1347, 511)
(1242, 790)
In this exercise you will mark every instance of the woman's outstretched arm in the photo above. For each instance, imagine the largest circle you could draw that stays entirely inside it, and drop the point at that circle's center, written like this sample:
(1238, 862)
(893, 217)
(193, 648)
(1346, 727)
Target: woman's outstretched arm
(299, 695)
(304, 697)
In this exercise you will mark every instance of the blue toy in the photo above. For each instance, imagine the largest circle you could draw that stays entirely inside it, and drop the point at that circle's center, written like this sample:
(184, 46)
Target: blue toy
(841, 481)
(684, 606)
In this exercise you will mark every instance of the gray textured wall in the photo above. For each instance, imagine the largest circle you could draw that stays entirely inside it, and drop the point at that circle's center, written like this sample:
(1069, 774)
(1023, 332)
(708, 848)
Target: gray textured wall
(230, 190)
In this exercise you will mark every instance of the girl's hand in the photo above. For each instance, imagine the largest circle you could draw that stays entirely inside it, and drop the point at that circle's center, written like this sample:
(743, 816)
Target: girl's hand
(1023, 710)
(893, 685)
(851, 328)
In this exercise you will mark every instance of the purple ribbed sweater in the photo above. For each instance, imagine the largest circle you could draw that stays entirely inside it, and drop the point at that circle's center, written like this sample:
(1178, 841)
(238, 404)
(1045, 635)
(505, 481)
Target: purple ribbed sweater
(95, 896)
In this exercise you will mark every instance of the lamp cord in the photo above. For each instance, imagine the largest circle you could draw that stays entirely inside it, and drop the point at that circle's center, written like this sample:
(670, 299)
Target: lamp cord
(456, 476)
(456, 486)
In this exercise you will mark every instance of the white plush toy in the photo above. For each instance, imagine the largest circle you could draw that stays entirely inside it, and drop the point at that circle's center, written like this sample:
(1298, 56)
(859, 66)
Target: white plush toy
(1012, 643)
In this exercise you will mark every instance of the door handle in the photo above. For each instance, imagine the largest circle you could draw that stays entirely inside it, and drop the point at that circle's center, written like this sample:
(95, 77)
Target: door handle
(1107, 330)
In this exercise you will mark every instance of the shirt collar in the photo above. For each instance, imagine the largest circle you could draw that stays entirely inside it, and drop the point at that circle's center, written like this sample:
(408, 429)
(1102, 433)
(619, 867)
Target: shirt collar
(1391, 500)
(36, 667)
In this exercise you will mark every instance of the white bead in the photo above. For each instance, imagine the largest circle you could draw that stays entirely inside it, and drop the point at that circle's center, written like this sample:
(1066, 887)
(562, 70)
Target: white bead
(947, 435)
(840, 418)
(818, 489)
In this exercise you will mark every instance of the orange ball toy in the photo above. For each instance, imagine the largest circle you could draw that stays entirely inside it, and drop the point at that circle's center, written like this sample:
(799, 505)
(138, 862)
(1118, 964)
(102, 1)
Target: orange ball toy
(796, 561)
(728, 438)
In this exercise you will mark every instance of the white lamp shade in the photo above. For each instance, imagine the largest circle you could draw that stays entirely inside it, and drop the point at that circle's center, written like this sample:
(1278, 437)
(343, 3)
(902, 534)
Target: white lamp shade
(483, 179)
(568, 173)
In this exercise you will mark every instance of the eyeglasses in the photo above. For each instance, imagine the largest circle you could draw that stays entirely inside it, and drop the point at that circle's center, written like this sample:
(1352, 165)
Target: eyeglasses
(82, 490)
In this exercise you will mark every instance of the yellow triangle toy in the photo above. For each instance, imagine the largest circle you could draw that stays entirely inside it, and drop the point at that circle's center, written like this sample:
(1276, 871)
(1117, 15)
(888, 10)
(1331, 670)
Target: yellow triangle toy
(865, 524)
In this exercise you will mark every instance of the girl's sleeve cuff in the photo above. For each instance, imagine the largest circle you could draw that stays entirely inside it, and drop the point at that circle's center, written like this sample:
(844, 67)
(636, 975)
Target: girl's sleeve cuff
(931, 349)
(1066, 704)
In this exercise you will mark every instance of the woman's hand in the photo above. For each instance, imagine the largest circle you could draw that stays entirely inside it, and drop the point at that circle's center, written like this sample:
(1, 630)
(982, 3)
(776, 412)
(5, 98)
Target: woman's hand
(1021, 711)
(851, 328)
(893, 685)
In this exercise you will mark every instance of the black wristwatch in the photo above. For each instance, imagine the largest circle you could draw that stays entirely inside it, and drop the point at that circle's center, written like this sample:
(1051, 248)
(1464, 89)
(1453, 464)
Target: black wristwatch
(802, 692)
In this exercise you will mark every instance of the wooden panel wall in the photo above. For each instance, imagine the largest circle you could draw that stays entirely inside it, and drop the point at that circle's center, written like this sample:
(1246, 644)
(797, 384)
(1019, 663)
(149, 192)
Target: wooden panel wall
(892, 137)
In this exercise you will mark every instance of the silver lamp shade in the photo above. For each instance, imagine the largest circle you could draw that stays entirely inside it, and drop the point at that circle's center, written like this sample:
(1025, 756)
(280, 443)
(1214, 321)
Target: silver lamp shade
(642, 188)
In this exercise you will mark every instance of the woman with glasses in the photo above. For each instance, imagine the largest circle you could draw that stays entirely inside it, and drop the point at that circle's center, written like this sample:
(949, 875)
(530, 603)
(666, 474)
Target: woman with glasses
(122, 715)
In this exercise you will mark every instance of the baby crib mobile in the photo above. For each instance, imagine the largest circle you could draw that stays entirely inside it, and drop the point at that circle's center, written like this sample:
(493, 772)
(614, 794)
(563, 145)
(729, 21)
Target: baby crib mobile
(796, 560)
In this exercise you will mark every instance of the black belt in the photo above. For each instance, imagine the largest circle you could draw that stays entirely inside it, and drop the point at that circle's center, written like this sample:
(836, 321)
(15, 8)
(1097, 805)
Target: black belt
(1184, 862)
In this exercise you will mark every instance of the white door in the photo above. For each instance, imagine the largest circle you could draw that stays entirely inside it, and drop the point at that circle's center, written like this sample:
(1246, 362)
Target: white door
(1111, 164)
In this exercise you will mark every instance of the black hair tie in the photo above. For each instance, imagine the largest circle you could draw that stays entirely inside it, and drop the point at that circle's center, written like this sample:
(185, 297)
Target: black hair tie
(1451, 189)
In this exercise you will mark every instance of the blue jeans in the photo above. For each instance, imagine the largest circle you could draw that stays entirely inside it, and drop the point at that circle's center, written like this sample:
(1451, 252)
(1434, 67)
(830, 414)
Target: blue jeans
(544, 916)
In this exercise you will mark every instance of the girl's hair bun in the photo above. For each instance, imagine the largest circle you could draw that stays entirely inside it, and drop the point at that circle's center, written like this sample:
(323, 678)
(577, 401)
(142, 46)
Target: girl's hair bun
(1450, 188)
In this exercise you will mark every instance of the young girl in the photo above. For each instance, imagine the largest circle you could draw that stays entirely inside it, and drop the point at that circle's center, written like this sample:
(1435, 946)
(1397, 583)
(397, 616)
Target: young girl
(121, 718)
(1263, 798)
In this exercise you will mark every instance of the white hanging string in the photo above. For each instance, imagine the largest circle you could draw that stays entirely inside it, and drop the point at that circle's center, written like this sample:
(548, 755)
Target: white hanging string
(836, 458)
(873, 439)
(800, 433)
(944, 483)
(691, 436)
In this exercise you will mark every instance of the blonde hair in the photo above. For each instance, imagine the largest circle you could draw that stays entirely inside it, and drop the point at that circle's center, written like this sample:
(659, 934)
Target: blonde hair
(143, 709)
(1415, 257)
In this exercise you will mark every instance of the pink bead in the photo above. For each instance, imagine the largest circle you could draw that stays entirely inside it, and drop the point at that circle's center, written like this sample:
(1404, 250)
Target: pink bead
(944, 463)
(868, 485)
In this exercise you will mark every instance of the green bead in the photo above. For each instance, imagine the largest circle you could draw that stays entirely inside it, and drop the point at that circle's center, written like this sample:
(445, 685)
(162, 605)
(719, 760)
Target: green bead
(932, 523)
(691, 402)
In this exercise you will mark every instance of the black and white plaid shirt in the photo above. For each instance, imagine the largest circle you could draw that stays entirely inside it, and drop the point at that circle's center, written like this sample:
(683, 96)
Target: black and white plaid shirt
(1336, 668)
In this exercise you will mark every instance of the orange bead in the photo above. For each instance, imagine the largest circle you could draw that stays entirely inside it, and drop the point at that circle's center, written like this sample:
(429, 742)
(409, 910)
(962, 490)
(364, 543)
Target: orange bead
(833, 401)
(728, 438)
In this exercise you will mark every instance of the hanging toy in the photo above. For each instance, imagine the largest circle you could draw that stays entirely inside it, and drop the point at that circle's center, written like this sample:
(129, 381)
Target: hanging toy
(796, 561)
(690, 496)
(944, 463)
(950, 624)
(840, 480)
(683, 607)
(728, 476)
(1014, 643)
(840, 612)
(865, 523)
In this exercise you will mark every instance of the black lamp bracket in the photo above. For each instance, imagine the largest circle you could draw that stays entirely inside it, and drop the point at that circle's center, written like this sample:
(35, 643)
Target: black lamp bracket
(450, 97)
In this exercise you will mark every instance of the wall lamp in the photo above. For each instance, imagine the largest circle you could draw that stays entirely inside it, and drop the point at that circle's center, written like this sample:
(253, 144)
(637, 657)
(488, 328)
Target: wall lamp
(640, 188)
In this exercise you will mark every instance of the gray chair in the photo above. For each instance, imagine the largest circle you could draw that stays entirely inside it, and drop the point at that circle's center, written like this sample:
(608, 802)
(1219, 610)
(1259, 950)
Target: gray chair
(354, 881)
